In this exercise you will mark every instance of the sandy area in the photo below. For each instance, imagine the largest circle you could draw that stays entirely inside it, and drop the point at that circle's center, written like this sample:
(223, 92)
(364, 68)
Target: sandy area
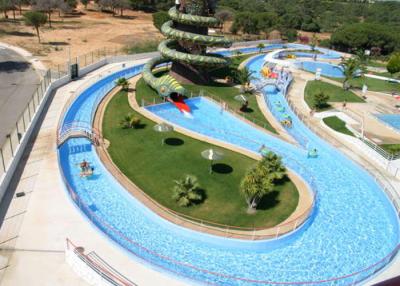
(82, 32)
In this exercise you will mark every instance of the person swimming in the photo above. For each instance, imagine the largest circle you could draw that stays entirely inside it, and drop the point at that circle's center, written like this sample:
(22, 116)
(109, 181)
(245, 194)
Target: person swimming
(86, 169)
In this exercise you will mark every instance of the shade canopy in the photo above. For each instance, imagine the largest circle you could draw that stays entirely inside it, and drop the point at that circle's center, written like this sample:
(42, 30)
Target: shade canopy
(163, 127)
(211, 154)
(241, 97)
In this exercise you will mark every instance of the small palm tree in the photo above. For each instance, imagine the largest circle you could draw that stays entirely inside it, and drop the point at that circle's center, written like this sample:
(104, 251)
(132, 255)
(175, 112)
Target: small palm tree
(273, 166)
(186, 191)
(260, 47)
(362, 59)
(350, 67)
(130, 121)
(244, 76)
(260, 180)
(123, 82)
(254, 186)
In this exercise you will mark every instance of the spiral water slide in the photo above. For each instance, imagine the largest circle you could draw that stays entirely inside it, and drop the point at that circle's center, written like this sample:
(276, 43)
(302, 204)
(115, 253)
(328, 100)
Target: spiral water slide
(166, 84)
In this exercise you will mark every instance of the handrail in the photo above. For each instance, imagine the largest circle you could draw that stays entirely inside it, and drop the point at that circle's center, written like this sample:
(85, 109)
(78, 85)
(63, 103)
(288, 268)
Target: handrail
(226, 230)
(105, 271)
(324, 136)
(78, 129)
(356, 275)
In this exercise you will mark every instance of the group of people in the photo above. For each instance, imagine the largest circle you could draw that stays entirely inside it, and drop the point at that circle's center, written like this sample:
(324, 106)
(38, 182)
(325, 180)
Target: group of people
(86, 169)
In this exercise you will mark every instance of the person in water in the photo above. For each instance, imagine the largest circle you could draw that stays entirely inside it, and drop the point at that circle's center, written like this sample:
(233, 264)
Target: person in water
(84, 165)
(86, 170)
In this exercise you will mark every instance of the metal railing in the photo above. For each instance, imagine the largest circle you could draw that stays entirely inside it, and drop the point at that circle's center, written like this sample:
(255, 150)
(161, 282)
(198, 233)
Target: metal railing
(23, 123)
(151, 257)
(16, 134)
(78, 129)
(99, 266)
(13, 139)
(381, 179)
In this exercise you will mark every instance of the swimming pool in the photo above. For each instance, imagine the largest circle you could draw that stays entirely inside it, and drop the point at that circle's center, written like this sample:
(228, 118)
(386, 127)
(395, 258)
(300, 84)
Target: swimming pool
(343, 227)
(327, 69)
(392, 120)
(325, 53)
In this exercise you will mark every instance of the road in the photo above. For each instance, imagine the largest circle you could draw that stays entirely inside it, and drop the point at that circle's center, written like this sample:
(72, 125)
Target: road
(18, 81)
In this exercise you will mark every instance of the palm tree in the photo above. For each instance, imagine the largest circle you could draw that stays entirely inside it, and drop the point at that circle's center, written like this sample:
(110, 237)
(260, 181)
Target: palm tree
(129, 121)
(273, 166)
(186, 191)
(123, 82)
(244, 76)
(350, 67)
(261, 180)
(254, 186)
(363, 60)
(260, 47)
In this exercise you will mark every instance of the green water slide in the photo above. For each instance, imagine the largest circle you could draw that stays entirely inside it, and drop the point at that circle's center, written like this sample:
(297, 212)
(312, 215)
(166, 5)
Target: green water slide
(165, 85)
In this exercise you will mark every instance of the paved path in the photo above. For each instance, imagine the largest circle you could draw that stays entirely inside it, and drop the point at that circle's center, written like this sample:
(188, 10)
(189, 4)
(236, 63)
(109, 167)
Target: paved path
(18, 81)
(34, 228)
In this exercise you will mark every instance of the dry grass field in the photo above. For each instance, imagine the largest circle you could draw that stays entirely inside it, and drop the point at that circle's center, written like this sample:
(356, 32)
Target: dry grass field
(82, 32)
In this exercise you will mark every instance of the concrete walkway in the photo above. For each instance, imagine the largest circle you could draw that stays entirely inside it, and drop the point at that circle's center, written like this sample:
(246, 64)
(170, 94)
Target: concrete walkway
(35, 226)
(33, 233)
(296, 219)
(351, 147)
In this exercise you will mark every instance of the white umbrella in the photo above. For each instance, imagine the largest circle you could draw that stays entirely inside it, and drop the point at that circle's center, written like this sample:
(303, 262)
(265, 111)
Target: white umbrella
(163, 127)
(211, 155)
(240, 97)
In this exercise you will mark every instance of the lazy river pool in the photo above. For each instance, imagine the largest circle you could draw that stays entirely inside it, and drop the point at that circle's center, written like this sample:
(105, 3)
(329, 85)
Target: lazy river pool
(343, 237)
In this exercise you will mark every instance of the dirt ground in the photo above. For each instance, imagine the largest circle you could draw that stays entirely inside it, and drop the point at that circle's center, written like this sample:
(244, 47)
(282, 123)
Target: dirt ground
(83, 32)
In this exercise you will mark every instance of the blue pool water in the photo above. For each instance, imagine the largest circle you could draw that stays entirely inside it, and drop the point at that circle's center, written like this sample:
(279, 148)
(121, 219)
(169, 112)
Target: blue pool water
(327, 69)
(344, 235)
(393, 120)
(326, 54)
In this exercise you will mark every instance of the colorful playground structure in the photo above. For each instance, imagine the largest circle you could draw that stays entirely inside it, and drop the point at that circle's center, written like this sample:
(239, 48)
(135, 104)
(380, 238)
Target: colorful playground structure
(187, 48)
(267, 72)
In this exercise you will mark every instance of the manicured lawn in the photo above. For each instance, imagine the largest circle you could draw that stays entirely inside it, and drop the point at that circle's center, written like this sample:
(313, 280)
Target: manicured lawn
(336, 93)
(139, 155)
(387, 74)
(337, 124)
(376, 64)
(391, 148)
(226, 93)
(373, 84)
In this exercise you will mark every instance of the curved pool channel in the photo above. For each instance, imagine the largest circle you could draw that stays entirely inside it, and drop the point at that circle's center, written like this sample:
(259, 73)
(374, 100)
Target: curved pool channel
(352, 227)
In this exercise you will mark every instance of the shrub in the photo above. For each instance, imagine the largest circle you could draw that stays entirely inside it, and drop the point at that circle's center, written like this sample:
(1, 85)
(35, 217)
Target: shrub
(320, 99)
(123, 82)
(186, 191)
(142, 47)
(130, 121)
(159, 18)
(393, 65)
